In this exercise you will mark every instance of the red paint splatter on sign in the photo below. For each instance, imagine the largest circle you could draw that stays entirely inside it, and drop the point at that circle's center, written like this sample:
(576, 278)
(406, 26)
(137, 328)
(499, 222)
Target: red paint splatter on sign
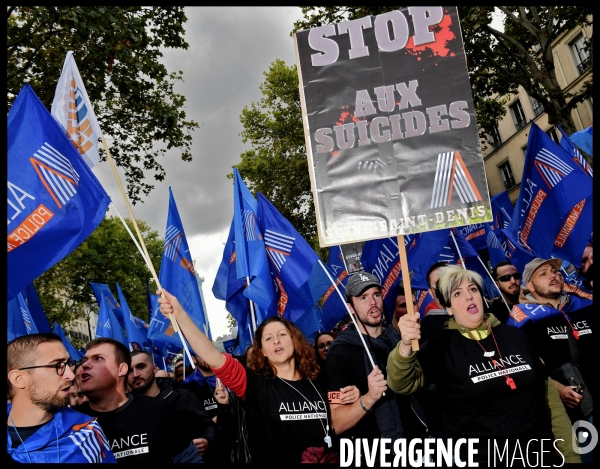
(443, 35)
(346, 115)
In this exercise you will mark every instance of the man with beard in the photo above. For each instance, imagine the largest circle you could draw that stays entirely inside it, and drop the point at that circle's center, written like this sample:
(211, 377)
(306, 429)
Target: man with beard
(41, 428)
(587, 267)
(140, 429)
(560, 327)
(143, 380)
(508, 279)
(373, 415)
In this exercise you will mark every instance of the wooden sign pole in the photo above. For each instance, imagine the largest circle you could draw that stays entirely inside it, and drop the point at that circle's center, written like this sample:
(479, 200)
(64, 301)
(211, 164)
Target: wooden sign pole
(406, 282)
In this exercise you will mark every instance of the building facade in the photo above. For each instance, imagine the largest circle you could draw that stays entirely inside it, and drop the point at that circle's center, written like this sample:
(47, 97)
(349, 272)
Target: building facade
(504, 157)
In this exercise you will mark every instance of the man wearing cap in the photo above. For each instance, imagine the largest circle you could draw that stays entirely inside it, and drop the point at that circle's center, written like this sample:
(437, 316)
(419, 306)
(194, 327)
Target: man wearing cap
(559, 325)
(373, 415)
(508, 280)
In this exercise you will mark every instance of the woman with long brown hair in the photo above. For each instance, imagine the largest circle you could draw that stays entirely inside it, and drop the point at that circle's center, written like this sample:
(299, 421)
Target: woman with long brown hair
(287, 414)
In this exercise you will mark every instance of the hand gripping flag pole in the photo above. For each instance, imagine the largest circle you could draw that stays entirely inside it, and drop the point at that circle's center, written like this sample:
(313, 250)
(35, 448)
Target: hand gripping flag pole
(334, 283)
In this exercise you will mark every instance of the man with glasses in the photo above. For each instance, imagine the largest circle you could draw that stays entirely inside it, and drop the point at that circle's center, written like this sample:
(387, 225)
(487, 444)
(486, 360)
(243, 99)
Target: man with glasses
(508, 280)
(41, 428)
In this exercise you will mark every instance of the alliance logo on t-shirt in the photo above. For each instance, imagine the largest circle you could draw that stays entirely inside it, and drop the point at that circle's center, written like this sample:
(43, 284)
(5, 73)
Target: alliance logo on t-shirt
(210, 404)
(494, 368)
(302, 410)
(560, 332)
(129, 446)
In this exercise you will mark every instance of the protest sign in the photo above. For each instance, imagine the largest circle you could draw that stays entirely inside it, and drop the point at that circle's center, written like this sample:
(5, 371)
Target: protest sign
(389, 123)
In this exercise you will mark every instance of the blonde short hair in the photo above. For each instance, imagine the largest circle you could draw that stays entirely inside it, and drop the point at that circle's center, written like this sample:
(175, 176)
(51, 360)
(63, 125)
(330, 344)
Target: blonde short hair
(450, 279)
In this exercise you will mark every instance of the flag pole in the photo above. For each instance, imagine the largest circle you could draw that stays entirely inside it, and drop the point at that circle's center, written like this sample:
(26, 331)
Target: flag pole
(410, 309)
(141, 239)
(252, 313)
(335, 284)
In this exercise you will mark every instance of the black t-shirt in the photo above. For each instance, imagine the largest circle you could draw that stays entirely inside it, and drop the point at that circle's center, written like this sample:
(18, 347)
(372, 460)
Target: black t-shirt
(549, 337)
(144, 430)
(476, 400)
(205, 393)
(284, 418)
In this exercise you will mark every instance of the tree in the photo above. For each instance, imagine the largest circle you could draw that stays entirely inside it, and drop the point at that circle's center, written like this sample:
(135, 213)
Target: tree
(108, 256)
(277, 166)
(500, 61)
(118, 51)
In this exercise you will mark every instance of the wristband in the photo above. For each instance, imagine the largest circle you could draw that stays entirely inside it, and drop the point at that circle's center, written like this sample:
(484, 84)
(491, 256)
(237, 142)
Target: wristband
(360, 399)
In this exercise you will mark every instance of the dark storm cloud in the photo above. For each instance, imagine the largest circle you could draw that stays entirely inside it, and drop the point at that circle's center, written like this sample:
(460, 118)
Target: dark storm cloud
(229, 49)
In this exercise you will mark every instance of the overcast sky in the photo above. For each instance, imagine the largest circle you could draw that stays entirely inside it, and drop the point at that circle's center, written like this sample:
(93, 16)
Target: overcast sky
(229, 49)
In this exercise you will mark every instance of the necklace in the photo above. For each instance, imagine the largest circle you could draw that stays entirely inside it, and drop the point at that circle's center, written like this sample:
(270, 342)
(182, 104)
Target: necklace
(509, 381)
(325, 429)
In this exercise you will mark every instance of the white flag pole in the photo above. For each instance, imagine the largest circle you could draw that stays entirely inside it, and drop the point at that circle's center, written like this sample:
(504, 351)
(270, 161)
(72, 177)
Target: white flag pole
(335, 284)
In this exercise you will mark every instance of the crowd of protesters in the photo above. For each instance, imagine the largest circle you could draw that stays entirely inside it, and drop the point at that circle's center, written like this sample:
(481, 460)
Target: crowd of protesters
(515, 368)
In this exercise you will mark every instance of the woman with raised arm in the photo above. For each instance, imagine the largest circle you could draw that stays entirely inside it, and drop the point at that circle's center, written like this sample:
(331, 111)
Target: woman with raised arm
(492, 383)
(287, 414)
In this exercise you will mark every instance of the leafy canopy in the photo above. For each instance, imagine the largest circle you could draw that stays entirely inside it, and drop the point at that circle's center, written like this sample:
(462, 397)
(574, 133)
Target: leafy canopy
(118, 52)
(107, 256)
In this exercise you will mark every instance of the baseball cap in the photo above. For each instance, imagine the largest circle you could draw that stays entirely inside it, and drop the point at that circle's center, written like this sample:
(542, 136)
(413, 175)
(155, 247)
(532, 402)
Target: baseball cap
(535, 264)
(361, 281)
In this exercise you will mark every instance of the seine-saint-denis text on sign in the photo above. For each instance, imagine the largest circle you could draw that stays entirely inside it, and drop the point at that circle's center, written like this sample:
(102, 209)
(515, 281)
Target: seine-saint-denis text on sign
(390, 127)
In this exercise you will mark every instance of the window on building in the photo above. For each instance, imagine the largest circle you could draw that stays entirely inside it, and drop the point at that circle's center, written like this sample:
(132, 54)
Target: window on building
(494, 137)
(516, 111)
(536, 106)
(581, 53)
(553, 134)
(507, 175)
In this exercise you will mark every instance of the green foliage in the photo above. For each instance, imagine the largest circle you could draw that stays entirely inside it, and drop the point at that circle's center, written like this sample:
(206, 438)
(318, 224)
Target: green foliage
(118, 52)
(108, 256)
(277, 165)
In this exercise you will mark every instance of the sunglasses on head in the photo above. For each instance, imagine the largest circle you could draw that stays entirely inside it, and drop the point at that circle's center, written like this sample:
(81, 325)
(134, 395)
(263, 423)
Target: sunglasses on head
(507, 277)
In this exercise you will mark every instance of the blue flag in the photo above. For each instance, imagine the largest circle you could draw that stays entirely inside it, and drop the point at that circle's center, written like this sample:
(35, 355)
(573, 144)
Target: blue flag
(567, 144)
(107, 325)
(160, 328)
(299, 278)
(74, 354)
(249, 244)
(475, 235)
(502, 210)
(102, 290)
(553, 214)
(494, 245)
(35, 309)
(518, 255)
(334, 309)
(231, 289)
(19, 319)
(137, 337)
(54, 199)
(177, 274)
(584, 139)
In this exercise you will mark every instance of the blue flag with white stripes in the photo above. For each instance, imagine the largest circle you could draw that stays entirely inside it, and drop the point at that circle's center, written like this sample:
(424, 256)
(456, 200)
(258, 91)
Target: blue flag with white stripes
(54, 201)
(177, 273)
(135, 328)
(107, 325)
(553, 214)
(19, 319)
(296, 268)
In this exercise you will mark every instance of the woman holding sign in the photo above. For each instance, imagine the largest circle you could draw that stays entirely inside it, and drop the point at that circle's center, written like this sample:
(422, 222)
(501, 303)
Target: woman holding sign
(286, 410)
(492, 384)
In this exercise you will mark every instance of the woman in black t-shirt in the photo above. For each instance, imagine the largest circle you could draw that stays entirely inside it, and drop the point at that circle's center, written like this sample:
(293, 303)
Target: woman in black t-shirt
(491, 382)
(287, 414)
